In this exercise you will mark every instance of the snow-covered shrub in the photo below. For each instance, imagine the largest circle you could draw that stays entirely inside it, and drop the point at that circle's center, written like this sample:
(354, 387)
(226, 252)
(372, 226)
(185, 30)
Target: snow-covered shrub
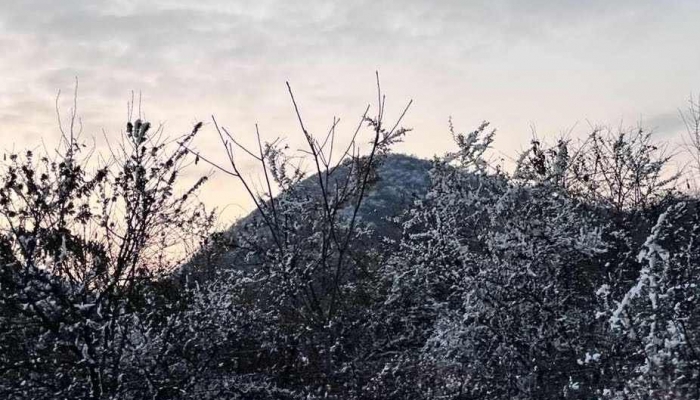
(302, 264)
(657, 320)
(83, 245)
(494, 282)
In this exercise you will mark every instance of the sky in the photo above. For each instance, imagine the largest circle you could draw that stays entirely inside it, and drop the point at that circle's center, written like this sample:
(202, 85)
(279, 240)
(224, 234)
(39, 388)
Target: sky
(550, 65)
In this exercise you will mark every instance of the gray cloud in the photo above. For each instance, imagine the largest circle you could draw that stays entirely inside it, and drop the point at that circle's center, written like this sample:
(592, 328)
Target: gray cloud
(668, 124)
(156, 34)
(206, 45)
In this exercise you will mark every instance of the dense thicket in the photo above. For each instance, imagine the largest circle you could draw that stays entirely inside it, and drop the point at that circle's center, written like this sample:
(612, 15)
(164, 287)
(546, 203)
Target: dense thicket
(575, 276)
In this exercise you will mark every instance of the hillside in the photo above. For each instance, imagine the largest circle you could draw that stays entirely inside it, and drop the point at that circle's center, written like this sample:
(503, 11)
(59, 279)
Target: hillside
(399, 180)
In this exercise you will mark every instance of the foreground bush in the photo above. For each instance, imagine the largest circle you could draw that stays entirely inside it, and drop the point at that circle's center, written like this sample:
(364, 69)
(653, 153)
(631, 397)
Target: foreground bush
(576, 276)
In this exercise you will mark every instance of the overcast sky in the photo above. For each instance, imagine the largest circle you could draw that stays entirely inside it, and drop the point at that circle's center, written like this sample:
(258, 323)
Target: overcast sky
(544, 63)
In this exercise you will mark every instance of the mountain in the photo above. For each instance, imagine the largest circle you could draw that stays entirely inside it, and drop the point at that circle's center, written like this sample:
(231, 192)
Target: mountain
(398, 182)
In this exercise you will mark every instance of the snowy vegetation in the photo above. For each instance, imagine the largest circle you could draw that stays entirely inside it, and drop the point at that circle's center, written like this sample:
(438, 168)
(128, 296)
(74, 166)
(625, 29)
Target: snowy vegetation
(576, 275)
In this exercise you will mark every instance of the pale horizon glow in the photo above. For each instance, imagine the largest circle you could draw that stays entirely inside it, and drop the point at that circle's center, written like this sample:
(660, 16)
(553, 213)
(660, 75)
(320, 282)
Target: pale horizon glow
(554, 65)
